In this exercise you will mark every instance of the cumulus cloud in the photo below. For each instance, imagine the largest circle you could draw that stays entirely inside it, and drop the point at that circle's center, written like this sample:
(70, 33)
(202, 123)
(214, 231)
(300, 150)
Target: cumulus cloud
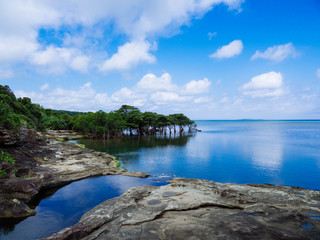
(228, 51)
(152, 90)
(166, 97)
(276, 53)
(56, 59)
(129, 55)
(264, 85)
(86, 98)
(151, 82)
(138, 21)
(197, 87)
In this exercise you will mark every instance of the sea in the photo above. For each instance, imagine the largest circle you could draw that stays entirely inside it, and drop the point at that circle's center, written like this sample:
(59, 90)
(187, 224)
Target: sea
(280, 152)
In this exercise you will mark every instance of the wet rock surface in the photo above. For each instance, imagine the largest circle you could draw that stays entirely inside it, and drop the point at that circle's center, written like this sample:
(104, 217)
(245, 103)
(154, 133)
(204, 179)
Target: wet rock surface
(199, 209)
(45, 163)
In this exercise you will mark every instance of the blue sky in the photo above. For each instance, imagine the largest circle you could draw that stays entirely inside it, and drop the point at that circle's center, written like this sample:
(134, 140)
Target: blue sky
(210, 59)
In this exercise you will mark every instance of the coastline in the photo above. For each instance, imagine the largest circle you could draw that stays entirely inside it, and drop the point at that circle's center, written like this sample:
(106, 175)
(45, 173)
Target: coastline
(183, 209)
(47, 163)
(201, 209)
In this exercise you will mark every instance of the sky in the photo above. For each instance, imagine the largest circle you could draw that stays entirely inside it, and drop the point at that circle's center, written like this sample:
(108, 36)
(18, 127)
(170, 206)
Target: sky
(209, 59)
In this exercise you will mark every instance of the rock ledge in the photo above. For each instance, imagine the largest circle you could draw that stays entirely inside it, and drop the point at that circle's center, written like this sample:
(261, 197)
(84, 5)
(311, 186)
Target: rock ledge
(199, 209)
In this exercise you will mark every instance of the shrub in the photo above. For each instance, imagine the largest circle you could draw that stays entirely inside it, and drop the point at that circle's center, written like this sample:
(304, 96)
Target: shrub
(7, 163)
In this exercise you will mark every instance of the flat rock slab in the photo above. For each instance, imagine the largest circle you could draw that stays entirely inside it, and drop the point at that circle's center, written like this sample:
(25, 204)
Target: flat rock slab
(199, 209)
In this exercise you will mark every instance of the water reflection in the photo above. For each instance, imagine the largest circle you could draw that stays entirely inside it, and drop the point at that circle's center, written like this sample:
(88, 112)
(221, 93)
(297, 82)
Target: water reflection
(134, 143)
(267, 156)
(278, 152)
(66, 206)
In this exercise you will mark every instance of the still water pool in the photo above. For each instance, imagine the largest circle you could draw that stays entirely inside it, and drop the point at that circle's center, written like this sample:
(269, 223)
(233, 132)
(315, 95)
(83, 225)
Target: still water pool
(277, 152)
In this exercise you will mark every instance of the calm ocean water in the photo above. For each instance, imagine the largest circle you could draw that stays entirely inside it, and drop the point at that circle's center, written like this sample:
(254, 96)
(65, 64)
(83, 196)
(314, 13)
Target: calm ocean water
(276, 152)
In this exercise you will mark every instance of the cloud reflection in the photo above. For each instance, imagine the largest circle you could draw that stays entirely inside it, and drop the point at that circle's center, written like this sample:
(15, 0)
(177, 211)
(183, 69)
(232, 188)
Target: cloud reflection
(268, 156)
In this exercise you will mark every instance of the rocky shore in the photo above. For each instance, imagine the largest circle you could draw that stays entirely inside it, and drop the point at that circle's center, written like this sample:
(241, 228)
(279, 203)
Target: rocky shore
(43, 163)
(199, 209)
(183, 209)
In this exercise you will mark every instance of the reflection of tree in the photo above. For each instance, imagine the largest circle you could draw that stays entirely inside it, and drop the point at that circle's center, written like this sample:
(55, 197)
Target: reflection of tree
(134, 143)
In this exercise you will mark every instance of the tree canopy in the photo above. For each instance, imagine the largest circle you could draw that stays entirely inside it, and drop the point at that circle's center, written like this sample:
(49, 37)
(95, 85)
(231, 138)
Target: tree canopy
(17, 112)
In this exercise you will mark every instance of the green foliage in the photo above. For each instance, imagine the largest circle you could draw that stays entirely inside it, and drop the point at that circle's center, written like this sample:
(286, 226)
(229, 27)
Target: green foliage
(6, 163)
(54, 123)
(15, 113)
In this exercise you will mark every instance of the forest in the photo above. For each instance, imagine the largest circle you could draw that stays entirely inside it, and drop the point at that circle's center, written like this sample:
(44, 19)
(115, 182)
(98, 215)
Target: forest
(127, 120)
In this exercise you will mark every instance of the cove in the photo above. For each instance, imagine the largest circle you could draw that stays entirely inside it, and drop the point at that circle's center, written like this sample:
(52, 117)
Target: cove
(66, 206)
(275, 152)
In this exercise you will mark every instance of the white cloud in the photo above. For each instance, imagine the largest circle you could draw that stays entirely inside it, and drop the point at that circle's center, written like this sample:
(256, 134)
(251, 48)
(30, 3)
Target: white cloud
(276, 53)
(80, 63)
(44, 87)
(129, 97)
(318, 73)
(137, 21)
(152, 91)
(150, 82)
(129, 55)
(165, 95)
(264, 85)
(228, 51)
(56, 59)
(197, 87)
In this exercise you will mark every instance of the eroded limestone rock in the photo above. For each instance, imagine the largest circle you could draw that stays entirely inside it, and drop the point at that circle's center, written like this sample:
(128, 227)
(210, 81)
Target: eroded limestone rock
(199, 209)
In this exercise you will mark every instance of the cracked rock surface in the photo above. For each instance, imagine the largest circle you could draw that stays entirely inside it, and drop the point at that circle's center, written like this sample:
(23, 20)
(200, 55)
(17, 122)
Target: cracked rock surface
(200, 209)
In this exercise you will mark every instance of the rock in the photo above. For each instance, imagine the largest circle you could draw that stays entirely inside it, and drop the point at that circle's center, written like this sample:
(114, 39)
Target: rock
(48, 164)
(10, 208)
(62, 134)
(14, 138)
(8, 138)
(199, 209)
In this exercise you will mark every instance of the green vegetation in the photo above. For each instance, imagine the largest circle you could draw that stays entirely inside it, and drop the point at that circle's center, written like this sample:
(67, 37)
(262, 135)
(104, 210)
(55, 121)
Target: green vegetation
(6, 164)
(80, 145)
(17, 112)
(118, 164)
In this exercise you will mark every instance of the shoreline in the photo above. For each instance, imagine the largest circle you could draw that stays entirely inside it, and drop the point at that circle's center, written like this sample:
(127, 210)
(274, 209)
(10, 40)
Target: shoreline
(185, 208)
(201, 209)
(48, 163)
